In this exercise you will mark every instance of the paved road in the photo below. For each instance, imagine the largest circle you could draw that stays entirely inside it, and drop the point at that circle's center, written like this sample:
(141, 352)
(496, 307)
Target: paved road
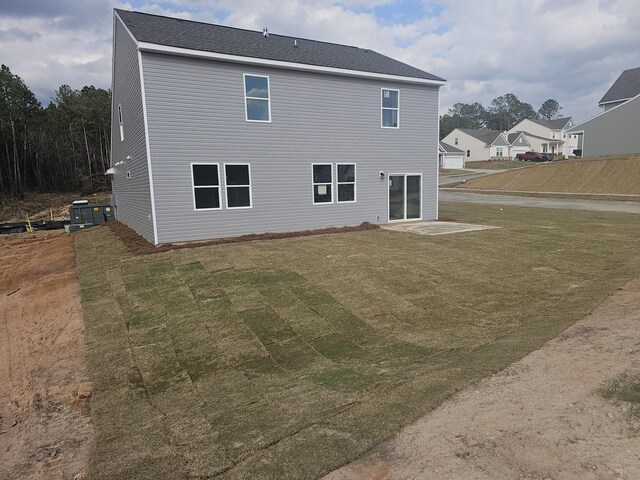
(472, 174)
(561, 203)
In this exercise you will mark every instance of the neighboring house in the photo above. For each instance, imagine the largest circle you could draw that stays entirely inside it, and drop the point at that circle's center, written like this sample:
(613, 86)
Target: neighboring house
(549, 136)
(478, 144)
(623, 89)
(615, 131)
(220, 132)
(518, 143)
(450, 157)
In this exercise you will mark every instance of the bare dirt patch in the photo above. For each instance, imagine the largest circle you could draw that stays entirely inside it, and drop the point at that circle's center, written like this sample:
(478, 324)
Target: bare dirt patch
(45, 425)
(138, 245)
(40, 205)
(546, 416)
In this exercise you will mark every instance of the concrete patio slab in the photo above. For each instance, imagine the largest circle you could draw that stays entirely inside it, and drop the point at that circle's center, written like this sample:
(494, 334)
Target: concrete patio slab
(436, 228)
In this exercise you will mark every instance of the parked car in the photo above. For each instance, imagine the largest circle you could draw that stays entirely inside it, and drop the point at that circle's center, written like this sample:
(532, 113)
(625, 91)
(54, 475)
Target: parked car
(577, 152)
(548, 157)
(531, 156)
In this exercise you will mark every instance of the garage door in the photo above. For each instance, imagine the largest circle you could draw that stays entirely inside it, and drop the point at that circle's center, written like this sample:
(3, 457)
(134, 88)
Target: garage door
(452, 161)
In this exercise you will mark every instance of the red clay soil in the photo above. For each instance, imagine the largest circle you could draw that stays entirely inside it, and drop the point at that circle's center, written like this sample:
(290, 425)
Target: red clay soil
(45, 423)
(138, 245)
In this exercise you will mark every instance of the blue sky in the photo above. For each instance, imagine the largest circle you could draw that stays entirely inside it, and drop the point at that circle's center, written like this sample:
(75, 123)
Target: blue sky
(537, 49)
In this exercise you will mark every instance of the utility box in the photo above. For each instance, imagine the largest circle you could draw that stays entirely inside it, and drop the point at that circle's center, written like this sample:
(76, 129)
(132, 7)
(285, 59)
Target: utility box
(82, 212)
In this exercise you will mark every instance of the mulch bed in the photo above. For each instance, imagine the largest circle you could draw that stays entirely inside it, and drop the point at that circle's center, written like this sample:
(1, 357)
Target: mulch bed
(138, 245)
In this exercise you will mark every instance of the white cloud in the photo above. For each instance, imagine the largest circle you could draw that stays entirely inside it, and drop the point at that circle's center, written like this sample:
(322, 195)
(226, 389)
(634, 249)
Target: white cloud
(537, 49)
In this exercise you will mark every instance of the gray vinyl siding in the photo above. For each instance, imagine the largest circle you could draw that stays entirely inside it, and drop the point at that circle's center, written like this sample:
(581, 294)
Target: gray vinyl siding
(132, 195)
(500, 142)
(609, 106)
(613, 133)
(196, 113)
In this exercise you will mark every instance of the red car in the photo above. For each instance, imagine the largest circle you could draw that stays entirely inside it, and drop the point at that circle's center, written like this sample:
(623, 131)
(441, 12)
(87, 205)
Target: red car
(532, 156)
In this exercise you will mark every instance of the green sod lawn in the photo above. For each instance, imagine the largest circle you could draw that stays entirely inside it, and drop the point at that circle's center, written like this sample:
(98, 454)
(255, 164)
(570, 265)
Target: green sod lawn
(286, 358)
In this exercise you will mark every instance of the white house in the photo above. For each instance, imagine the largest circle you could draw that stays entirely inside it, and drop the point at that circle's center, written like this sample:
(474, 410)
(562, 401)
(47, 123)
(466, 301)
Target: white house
(549, 136)
(481, 144)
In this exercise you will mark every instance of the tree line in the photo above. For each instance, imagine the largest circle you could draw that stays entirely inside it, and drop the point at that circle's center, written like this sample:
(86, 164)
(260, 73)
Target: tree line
(64, 146)
(503, 113)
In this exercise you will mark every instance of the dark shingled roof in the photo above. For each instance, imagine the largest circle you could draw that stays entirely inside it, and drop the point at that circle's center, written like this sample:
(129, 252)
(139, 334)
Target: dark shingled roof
(626, 86)
(487, 136)
(557, 124)
(450, 149)
(207, 37)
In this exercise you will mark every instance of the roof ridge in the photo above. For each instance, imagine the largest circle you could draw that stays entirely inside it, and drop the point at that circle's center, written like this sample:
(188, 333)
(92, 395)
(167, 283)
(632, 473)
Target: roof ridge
(154, 29)
(245, 30)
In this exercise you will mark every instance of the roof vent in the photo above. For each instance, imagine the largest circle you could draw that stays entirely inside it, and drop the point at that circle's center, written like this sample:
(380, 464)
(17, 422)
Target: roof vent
(295, 43)
(265, 32)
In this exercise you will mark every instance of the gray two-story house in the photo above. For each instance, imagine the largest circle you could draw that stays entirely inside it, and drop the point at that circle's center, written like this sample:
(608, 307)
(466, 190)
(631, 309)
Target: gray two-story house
(220, 132)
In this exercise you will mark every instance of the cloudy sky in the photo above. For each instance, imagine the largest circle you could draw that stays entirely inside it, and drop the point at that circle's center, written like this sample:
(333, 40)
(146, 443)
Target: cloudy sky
(570, 50)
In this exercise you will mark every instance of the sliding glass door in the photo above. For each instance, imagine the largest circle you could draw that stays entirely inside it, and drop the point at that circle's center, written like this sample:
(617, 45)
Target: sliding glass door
(405, 197)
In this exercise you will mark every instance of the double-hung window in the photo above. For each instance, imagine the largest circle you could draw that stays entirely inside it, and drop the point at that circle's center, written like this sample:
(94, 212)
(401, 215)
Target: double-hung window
(346, 176)
(120, 122)
(206, 186)
(238, 185)
(257, 101)
(322, 182)
(390, 108)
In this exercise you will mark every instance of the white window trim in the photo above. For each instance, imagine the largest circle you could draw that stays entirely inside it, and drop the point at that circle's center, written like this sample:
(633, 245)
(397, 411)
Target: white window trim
(226, 188)
(268, 99)
(193, 187)
(355, 181)
(313, 184)
(382, 109)
(120, 122)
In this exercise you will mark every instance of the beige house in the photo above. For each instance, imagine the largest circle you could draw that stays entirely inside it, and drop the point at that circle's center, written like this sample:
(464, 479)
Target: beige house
(479, 144)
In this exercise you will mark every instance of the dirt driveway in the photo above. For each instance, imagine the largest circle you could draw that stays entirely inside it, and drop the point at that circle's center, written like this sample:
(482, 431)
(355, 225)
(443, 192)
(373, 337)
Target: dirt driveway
(541, 418)
(45, 425)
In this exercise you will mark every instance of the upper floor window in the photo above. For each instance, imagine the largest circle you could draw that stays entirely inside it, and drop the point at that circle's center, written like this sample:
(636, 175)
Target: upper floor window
(456, 140)
(390, 108)
(257, 98)
(120, 122)
(553, 134)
